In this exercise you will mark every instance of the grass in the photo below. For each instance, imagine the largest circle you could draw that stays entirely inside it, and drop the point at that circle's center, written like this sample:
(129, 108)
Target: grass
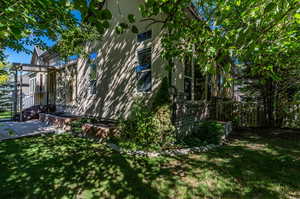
(4, 115)
(62, 166)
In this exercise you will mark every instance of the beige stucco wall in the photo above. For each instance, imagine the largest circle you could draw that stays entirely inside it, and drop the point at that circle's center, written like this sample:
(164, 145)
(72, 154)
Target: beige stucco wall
(116, 61)
(116, 76)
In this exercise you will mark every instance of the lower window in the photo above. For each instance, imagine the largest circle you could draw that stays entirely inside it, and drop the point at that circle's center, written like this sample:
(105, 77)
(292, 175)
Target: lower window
(93, 86)
(144, 81)
(188, 88)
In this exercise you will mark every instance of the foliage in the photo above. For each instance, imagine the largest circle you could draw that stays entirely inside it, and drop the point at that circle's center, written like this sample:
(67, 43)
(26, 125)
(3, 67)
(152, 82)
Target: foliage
(147, 129)
(5, 114)
(258, 40)
(162, 96)
(92, 25)
(4, 73)
(25, 23)
(204, 133)
(71, 24)
(220, 33)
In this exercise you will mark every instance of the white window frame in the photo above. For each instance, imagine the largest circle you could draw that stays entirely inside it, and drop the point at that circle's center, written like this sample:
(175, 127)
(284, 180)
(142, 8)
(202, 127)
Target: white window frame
(192, 78)
(146, 70)
(32, 85)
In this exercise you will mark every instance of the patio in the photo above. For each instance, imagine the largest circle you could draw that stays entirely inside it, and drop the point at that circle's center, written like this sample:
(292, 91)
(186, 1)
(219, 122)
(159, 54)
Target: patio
(12, 130)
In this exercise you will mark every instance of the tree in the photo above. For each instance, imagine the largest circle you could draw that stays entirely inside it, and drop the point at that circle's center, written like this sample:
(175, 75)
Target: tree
(239, 29)
(27, 22)
(4, 74)
(263, 35)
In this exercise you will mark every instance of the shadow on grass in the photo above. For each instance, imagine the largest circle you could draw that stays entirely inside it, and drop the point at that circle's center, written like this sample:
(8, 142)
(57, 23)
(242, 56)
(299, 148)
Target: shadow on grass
(64, 166)
(251, 166)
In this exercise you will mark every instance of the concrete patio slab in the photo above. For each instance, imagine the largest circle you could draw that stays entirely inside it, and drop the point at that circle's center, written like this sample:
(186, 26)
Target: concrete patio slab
(11, 130)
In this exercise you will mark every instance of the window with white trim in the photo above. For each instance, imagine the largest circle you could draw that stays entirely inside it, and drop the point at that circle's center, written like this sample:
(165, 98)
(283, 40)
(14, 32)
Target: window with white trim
(143, 70)
(32, 85)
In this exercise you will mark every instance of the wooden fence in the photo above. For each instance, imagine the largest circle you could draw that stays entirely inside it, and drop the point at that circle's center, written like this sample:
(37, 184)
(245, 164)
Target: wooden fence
(253, 114)
(291, 112)
(243, 115)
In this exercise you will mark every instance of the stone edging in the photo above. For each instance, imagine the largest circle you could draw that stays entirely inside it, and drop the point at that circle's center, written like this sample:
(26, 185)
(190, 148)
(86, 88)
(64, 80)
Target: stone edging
(174, 152)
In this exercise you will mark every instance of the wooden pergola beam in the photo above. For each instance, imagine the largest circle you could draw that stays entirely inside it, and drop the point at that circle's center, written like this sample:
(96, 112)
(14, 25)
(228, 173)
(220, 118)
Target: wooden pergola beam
(20, 68)
(32, 67)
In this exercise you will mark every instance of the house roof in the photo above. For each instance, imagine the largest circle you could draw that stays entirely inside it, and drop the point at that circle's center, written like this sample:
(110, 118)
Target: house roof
(39, 51)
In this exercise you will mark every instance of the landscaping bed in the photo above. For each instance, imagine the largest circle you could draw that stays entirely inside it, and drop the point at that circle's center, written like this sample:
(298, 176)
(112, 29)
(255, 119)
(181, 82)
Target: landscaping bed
(59, 120)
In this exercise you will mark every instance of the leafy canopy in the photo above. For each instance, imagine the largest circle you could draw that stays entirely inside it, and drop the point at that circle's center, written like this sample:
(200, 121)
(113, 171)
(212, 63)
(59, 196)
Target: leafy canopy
(219, 33)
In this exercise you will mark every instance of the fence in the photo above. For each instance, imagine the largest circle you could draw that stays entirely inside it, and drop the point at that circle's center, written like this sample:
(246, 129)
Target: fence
(253, 114)
(241, 114)
(291, 115)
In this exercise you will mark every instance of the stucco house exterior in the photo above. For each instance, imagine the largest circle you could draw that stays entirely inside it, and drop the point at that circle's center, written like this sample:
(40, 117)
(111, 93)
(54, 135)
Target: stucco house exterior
(119, 69)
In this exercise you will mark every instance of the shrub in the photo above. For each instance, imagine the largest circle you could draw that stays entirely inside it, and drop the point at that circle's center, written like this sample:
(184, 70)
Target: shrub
(147, 129)
(209, 132)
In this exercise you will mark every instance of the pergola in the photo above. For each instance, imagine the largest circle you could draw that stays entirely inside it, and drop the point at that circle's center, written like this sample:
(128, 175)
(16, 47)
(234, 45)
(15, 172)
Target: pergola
(20, 67)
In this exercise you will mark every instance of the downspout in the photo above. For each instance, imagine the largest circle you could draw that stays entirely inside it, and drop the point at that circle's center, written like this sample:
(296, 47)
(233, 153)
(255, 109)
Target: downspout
(172, 93)
(21, 96)
(16, 94)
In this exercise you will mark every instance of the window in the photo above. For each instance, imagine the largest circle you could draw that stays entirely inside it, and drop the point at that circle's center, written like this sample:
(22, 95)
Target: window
(32, 85)
(93, 72)
(188, 78)
(144, 77)
(220, 81)
(41, 83)
(69, 91)
(144, 36)
(199, 84)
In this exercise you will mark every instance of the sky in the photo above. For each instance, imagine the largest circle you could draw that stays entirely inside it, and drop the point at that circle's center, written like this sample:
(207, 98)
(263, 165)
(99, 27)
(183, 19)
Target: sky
(21, 57)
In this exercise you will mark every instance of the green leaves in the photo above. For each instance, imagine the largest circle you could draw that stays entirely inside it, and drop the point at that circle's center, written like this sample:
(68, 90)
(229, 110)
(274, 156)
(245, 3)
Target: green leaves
(134, 29)
(105, 14)
(251, 31)
(131, 18)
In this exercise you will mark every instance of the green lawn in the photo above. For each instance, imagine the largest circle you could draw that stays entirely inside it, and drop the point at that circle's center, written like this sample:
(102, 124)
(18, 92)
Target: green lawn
(4, 115)
(61, 166)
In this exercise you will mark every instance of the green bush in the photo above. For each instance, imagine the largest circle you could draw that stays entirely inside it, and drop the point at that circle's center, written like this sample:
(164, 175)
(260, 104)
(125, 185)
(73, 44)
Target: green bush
(147, 129)
(209, 132)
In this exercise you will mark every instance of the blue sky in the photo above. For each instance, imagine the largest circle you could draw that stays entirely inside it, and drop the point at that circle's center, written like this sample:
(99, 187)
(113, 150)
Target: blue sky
(13, 56)
(21, 57)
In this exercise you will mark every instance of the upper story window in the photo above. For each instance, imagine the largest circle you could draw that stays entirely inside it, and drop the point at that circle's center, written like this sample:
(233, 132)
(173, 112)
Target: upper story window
(93, 72)
(144, 77)
(73, 57)
(144, 36)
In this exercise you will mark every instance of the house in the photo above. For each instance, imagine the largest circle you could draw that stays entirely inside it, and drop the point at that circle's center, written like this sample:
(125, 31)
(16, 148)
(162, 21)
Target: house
(119, 69)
